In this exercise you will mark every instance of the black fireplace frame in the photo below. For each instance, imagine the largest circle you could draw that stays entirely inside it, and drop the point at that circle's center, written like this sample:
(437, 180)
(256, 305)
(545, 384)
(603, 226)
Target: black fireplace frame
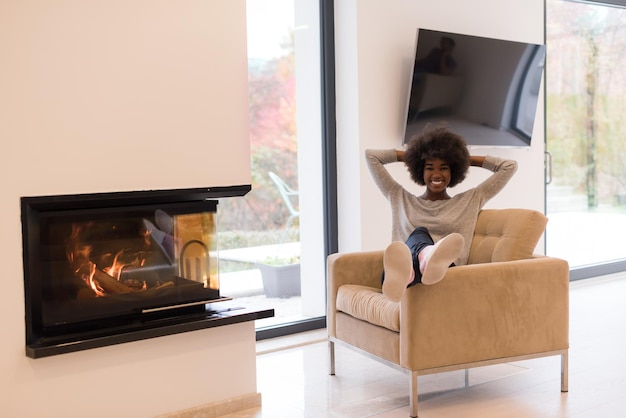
(152, 323)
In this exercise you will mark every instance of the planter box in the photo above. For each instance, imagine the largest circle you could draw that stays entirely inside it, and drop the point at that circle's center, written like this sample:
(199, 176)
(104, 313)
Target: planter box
(280, 281)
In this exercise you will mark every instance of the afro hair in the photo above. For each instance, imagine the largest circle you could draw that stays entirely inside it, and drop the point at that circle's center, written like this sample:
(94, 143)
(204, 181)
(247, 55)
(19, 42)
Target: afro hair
(437, 143)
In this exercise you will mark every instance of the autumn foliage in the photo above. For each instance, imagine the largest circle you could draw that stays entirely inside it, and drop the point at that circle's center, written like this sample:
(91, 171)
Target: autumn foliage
(273, 146)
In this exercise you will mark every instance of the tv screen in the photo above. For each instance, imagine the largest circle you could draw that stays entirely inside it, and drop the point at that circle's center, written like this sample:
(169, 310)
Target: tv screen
(481, 88)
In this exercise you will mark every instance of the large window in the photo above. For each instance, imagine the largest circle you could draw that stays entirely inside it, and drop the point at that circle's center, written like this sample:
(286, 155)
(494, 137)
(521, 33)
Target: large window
(586, 133)
(272, 241)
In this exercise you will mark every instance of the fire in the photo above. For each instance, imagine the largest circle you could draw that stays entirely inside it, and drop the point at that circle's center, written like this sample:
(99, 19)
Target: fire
(115, 270)
(77, 253)
(97, 289)
(94, 266)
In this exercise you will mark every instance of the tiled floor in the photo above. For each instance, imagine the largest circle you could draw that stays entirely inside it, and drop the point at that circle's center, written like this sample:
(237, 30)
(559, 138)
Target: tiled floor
(294, 381)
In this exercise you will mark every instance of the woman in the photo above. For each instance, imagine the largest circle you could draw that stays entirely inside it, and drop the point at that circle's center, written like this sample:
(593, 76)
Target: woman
(432, 231)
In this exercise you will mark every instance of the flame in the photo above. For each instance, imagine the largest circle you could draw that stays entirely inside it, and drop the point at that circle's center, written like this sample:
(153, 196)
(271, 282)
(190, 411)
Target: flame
(92, 283)
(77, 254)
(115, 270)
(88, 260)
(147, 237)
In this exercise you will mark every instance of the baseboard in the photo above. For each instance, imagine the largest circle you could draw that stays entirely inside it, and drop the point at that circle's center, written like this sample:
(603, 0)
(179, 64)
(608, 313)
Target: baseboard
(221, 408)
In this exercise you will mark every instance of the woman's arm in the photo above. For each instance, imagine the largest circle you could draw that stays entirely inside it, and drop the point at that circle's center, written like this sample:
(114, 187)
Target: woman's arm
(477, 160)
(502, 170)
(376, 160)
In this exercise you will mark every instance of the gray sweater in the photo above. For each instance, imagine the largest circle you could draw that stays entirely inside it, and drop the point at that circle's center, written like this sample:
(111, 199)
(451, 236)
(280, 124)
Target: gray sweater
(441, 217)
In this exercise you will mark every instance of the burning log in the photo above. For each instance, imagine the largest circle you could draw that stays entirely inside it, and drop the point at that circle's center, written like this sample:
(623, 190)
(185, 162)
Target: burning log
(166, 284)
(110, 284)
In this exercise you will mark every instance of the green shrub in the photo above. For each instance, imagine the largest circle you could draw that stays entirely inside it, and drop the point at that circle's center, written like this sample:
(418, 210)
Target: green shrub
(240, 239)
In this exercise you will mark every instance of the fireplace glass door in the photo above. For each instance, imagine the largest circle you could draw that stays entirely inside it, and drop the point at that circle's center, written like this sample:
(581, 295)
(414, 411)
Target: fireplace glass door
(91, 266)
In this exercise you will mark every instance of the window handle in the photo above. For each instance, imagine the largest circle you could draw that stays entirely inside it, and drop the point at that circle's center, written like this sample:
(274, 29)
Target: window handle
(548, 167)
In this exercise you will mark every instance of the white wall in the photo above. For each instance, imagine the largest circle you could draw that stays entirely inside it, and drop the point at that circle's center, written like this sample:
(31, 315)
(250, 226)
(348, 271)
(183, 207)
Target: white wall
(375, 41)
(119, 95)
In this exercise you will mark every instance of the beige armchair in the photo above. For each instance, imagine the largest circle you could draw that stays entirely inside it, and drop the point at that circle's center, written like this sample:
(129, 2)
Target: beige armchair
(507, 304)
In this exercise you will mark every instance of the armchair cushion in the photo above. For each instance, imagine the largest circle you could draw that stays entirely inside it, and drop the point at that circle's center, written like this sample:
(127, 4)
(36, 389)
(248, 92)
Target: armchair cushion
(506, 235)
(369, 304)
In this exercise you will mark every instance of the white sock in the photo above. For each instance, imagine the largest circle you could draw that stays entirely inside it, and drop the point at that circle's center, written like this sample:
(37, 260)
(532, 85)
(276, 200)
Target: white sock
(438, 257)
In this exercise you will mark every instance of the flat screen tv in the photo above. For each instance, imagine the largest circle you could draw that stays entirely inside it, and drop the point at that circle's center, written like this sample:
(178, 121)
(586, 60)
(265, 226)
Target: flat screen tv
(481, 88)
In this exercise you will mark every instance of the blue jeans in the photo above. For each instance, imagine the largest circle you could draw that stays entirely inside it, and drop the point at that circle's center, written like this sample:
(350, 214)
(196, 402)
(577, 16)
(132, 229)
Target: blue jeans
(419, 238)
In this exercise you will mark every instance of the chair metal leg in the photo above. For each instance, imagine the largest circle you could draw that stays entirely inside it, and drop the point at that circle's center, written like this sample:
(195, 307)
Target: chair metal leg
(466, 378)
(331, 357)
(564, 371)
(413, 395)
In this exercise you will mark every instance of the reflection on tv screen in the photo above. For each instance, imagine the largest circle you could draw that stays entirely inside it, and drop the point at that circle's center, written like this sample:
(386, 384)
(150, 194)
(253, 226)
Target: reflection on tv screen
(485, 89)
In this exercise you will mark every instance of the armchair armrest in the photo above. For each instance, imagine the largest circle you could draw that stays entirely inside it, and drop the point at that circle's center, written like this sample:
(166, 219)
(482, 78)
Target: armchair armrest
(362, 268)
(493, 310)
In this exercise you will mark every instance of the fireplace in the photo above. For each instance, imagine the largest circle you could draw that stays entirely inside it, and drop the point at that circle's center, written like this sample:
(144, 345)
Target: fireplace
(102, 267)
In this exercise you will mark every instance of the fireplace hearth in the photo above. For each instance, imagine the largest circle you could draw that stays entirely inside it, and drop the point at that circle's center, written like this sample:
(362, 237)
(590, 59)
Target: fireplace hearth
(107, 268)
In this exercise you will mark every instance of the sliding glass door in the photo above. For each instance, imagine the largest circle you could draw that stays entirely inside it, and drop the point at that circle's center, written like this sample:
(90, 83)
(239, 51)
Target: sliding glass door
(272, 252)
(586, 134)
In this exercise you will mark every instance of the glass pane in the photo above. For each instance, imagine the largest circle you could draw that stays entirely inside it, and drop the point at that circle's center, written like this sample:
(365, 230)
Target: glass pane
(266, 236)
(586, 112)
(114, 263)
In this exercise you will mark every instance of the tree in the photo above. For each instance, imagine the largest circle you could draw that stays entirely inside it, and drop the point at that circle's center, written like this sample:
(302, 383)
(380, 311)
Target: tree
(273, 144)
(585, 90)
(590, 34)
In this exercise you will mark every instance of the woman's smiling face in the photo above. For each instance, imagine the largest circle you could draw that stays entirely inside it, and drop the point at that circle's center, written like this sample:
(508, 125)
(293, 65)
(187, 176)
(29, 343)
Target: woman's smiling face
(437, 176)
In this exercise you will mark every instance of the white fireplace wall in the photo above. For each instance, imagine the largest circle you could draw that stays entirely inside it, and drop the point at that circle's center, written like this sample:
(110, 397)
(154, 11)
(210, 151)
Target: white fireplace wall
(124, 94)
(107, 96)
